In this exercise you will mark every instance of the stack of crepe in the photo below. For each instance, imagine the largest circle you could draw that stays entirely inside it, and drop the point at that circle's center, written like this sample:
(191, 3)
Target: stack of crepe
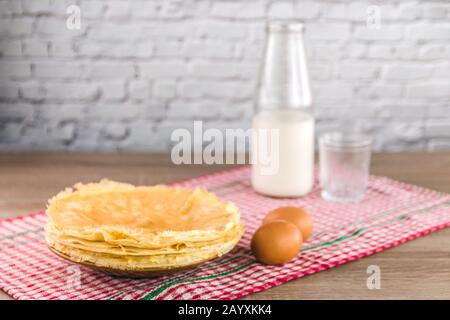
(118, 226)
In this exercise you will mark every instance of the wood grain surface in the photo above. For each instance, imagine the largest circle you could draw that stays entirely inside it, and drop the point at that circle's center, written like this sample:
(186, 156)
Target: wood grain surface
(419, 269)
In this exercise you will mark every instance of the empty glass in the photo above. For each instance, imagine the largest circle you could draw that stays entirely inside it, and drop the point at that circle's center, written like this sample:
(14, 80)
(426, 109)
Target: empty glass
(344, 165)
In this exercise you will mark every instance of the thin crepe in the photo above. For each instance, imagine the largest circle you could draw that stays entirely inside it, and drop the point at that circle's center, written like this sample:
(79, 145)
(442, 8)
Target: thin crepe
(126, 227)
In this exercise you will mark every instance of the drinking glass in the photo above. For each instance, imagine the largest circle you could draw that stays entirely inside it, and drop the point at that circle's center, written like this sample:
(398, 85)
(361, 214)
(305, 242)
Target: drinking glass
(344, 165)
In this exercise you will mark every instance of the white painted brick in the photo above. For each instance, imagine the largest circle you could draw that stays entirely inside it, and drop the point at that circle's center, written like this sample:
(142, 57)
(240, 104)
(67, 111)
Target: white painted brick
(409, 11)
(11, 132)
(325, 52)
(237, 110)
(16, 26)
(33, 7)
(431, 90)
(250, 9)
(438, 111)
(405, 111)
(330, 112)
(32, 91)
(333, 92)
(182, 109)
(209, 110)
(72, 91)
(248, 71)
(281, 10)
(116, 50)
(175, 9)
(209, 49)
(115, 31)
(386, 32)
(167, 49)
(59, 70)
(10, 48)
(9, 90)
(409, 132)
(169, 29)
(165, 88)
(257, 31)
(116, 131)
(435, 51)
(49, 26)
(14, 69)
(111, 70)
(141, 50)
(407, 72)
(112, 90)
(328, 31)
(92, 9)
(222, 30)
(197, 89)
(143, 137)
(387, 11)
(9, 8)
(50, 112)
(64, 131)
(358, 71)
(381, 91)
(438, 128)
(108, 111)
(197, 9)
(435, 31)
(439, 145)
(307, 10)
(406, 52)
(59, 7)
(118, 10)
(61, 49)
(335, 11)
(442, 71)
(163, 69)
(16, 111)
(36, 48)
(139, 90)
(381, 52)
(98, 49)
(319, 71)
(214, 69)
(251, 51)
(156, 109)
(356, 50)
(434, 11)
(358, 11)
(144, 10)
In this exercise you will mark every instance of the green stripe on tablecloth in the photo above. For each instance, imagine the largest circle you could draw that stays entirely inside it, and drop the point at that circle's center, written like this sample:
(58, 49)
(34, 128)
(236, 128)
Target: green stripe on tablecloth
(359, 231)
(161, 289)
(187, 273)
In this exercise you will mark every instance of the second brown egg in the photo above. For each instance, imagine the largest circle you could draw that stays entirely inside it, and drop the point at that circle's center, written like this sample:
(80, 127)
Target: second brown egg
(295, 215)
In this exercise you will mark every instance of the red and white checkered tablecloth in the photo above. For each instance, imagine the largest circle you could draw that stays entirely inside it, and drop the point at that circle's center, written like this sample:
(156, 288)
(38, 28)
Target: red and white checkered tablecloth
(392, 213)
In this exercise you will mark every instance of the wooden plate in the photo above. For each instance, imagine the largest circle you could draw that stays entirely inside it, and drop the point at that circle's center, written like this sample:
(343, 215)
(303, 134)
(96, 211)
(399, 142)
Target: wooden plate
(132, 273)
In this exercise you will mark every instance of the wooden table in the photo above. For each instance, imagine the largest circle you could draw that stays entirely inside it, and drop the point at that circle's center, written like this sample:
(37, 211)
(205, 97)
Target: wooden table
(419, 269)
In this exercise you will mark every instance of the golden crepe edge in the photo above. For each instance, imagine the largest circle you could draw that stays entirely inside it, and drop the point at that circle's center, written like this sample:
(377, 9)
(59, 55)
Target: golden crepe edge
(210, 244)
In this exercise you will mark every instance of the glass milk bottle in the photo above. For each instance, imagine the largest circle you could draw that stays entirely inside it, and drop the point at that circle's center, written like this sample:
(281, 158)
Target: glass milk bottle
(283, 129)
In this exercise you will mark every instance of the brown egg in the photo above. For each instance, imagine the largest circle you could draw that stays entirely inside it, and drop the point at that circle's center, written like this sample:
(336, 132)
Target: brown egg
(297, 216)
(276, 242)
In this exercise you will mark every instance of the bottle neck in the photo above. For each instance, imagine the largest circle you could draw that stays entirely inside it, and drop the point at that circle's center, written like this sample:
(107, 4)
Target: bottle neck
(284, 78)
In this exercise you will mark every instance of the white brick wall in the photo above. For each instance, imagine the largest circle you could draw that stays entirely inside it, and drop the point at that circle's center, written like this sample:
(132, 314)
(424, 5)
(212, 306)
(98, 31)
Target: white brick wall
(138, 69)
